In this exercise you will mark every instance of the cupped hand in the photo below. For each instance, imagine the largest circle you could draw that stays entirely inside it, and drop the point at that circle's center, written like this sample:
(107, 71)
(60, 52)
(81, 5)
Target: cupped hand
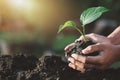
(109, 54)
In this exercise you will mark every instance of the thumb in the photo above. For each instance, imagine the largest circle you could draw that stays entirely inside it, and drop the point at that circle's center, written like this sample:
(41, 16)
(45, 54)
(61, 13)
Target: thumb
(68, 47)
(97, 38)
(93, 48)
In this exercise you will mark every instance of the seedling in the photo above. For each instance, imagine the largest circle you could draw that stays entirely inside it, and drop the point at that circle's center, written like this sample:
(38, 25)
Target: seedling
(86, 17)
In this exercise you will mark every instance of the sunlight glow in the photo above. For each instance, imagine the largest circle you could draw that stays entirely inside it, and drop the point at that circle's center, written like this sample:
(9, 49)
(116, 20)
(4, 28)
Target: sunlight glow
(19, 3)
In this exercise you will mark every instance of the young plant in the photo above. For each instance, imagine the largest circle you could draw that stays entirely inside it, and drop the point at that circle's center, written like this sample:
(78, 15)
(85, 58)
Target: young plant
(86, 17)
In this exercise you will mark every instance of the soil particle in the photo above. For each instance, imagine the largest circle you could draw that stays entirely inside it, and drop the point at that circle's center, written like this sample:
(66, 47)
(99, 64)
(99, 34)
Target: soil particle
(79, 46)
(28, 67)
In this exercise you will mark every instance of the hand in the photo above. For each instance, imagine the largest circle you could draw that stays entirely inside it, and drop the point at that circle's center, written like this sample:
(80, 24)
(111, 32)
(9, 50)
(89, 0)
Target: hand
(95, 38)
(109, 54)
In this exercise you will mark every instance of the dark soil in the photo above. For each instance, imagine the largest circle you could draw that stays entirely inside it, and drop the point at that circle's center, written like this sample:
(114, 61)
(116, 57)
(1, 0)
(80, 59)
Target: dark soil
(79, 46)
(27, 67)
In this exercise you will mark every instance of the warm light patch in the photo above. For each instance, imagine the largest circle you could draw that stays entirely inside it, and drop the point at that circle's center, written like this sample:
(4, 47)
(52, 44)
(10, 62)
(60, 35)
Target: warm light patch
(19, 3)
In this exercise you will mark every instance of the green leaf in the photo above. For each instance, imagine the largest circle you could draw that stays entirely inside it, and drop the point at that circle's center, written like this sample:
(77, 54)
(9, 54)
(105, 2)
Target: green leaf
(67, 24)
(92, 14)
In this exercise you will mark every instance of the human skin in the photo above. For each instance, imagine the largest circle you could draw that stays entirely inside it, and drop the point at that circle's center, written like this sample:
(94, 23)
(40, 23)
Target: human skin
(109, 48)
(114, 37)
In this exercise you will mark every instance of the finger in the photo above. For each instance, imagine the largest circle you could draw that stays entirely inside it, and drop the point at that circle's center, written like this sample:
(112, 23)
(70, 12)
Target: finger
(76, 67)
(96, 38)
(72, 65)
(92, 37)
(72, 60)
(96, 60)
(79, 58)
(67, 48)
(90, 66)
(79, 64)
(87, 65)
(80, 69)
(93, 48)
(75, 62)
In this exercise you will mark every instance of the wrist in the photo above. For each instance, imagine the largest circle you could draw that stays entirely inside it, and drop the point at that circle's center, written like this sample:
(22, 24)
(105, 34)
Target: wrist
(114, 37)
(110, 39)
(114, 40)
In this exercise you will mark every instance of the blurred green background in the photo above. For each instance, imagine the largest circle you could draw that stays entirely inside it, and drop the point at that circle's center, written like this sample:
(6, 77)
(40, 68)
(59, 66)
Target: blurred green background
(30, 26)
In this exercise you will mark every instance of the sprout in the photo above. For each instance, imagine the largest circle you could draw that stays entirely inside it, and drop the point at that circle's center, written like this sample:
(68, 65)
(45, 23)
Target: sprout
(86, 17)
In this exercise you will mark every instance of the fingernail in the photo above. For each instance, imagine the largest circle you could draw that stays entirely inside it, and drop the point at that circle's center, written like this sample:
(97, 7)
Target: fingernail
(65, 49)
(70, 65)
(69, 59)
(84, 51)
(74, 55)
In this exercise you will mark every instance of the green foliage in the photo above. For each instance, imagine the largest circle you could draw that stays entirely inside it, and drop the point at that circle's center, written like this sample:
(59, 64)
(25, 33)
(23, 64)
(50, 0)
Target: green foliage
(67, 24)
(86, 17)
(92, 14)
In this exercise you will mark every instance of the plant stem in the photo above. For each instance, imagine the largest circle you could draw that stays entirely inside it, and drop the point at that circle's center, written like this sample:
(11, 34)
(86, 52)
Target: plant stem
(85, 39)
(82, 33)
